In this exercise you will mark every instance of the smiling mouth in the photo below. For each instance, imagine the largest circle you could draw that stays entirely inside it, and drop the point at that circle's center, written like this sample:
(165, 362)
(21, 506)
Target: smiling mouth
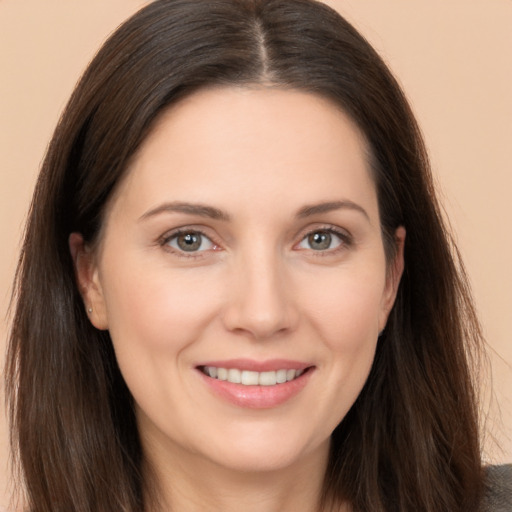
(252, 378)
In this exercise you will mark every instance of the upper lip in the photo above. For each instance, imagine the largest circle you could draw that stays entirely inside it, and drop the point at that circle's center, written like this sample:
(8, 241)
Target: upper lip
(258, 366)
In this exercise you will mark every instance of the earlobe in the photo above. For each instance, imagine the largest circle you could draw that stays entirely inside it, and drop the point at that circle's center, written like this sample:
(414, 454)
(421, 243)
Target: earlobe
(394, 274)
(87, 279)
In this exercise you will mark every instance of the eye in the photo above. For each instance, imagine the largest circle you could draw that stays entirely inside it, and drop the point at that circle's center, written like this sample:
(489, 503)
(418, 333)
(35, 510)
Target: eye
(190, 241)
(322, 240)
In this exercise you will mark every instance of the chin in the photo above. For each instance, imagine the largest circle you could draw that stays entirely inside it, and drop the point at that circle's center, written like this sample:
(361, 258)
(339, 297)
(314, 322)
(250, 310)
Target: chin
(260, 454)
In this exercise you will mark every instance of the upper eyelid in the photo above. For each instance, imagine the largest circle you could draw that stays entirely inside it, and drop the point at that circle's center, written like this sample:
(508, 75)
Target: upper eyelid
(171, 233)
(337, 230)
(298, 237)
(347, 243)
(164, 240)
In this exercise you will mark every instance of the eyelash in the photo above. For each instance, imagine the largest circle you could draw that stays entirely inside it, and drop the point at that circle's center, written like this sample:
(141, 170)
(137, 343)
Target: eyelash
(346, 241)
(168, 237)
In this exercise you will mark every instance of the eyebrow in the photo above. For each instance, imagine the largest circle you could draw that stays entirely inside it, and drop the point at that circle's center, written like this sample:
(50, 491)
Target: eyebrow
(329, 206)
(211, 212)
(198, 209)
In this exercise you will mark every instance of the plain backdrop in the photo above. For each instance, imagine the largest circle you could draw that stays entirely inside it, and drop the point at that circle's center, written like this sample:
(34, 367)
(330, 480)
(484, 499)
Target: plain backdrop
(454, 60)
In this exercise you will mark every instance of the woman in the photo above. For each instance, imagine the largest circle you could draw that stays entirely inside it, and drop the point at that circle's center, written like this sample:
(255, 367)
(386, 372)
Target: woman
(236, 289)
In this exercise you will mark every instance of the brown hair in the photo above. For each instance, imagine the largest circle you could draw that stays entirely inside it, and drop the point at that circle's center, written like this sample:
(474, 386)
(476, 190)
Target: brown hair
(410, 441)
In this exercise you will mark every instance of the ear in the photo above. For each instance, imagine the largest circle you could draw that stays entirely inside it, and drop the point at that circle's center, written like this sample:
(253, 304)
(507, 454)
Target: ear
(88, 280)
(394, 274)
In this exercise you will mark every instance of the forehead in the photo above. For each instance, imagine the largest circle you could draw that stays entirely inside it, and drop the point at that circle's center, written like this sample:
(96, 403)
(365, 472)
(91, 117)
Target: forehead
(255, 144)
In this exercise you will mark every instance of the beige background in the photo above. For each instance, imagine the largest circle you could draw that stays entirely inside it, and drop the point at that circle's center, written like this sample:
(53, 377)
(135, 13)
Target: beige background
(454, 59)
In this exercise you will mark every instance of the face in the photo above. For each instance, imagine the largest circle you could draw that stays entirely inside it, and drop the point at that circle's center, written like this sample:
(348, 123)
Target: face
(242, 276)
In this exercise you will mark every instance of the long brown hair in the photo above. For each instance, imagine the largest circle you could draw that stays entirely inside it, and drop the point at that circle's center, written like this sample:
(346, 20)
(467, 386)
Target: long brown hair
(410, 442)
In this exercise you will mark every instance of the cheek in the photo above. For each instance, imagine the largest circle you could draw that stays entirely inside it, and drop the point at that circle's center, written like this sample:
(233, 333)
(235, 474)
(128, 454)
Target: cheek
(346, 319)
(157, 310)
(154, 316)
(345, 306)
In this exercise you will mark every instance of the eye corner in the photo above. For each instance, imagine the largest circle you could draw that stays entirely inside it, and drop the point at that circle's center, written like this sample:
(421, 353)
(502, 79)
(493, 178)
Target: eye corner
(328, 239)
(188, 242)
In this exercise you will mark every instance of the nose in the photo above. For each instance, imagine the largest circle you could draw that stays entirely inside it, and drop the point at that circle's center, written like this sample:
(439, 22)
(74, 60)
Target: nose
(261, 302)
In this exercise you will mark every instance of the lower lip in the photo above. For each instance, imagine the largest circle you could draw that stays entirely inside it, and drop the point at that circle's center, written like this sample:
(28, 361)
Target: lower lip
(257, 397)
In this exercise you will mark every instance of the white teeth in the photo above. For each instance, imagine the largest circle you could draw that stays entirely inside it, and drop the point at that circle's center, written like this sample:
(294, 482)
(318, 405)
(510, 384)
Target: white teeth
(280, 376)
(290, 374)
(268, 379)
(249, 378)
(234, 376)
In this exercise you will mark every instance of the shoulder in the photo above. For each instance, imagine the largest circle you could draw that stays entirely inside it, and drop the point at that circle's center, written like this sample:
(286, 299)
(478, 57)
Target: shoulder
(498, 489)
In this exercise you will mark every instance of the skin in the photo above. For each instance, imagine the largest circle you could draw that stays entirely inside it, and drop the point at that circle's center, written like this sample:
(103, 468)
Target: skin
(256, 289)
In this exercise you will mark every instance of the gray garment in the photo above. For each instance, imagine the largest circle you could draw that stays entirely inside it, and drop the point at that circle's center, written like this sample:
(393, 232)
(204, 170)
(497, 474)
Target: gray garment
(498, 489)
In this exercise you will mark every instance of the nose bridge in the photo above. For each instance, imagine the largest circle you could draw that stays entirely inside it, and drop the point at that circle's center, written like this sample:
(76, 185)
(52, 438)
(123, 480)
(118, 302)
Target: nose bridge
(260, 301)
